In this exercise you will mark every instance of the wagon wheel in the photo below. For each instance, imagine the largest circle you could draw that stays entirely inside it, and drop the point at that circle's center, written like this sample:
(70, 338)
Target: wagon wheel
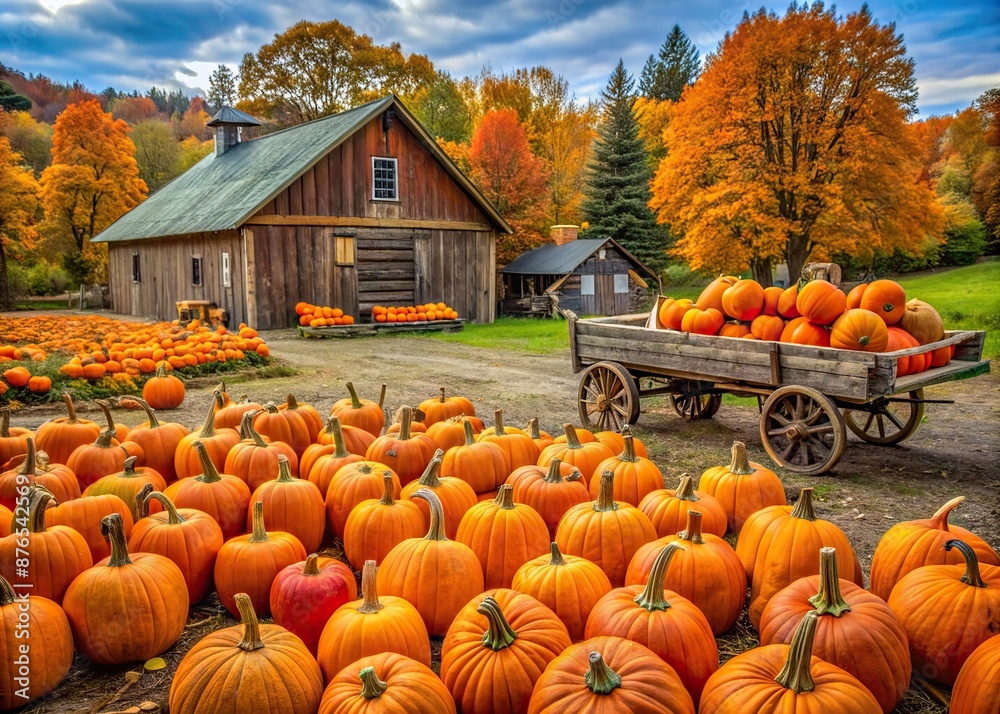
(802, 430)
(608, 397)
(691, 406)
(887, 420)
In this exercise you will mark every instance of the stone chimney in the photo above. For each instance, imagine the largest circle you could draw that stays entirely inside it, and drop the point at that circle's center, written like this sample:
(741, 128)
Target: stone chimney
(562, 235)
(228, 124)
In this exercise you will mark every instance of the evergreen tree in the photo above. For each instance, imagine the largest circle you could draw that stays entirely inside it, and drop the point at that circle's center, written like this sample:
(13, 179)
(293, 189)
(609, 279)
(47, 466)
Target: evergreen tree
(665, 76)
(616, 195)
(222, 87)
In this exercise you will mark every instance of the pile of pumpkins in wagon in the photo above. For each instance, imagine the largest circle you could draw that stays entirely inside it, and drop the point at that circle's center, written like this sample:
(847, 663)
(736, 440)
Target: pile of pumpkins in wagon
(872, 317)
(563, 573)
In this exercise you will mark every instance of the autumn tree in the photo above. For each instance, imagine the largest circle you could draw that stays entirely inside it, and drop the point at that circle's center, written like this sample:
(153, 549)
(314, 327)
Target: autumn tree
(29, 138)
(794, 145)
(93, 179)
(193, 151)
(18, 207)
(441, 109)
(221, 87)
(512, 178)
(665, 75)
(157, 152)
(617, 190)
(134, 109)
(195, 121)
(315, 69)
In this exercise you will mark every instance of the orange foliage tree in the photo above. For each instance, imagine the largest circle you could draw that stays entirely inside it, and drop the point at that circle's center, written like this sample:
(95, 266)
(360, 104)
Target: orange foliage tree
(93, 179)
(511, 177)
(18, 204)
(794, 144)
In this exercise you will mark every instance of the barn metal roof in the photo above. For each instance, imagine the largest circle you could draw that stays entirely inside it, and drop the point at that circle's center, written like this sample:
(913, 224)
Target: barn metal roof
(552, 259)
(222, 192)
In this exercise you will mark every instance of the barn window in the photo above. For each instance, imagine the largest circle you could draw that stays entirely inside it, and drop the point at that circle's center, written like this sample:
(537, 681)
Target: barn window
(586, 284)
(344, 250)
(196, 271)
(384, 184)
(136, 271)
(227, 281)
(621, 283)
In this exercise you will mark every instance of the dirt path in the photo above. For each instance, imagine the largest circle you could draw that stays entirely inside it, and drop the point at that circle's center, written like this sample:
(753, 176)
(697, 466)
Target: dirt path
(956, 451)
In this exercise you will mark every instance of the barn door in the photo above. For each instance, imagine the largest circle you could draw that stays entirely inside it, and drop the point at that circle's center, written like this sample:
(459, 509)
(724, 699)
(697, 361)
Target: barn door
(604, 293)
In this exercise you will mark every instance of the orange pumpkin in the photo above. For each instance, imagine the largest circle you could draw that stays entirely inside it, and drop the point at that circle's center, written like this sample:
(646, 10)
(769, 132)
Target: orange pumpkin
(942, 355)
(743, 300)
(711, 296)
(309, 414)
(771, 297)
(58, 479)
(886, 298)
(254, 460)
(93, 461)
(292, 505)
(127, 483)
(786, 302)
(586, 457)
(451, 432)
(767, 327)
(408, 686)
(321, 461)
(13, 440)
(801, 331)
(406, 453)
(362, 413)
(821, 302)
(441, 407)
(376, 526)
(703, 322)
(859, 329)
(288, 426)
(734, 329)
(899, 339)
(84, 516)
(635, 476)
(164, 391)
(854, 297)
(159, 441)
(742, 487)
(667, 509)
(549, 490)
(224, 497)
(59, 437)
(518, 448)
(216, 442)
(17, 377)
(978, 679)
(39, 384)
(482, 464)
(672, 311)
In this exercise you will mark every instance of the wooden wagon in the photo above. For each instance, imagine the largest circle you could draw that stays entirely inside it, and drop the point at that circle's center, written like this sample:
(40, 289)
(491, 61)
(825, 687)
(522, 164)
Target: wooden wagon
(808, 396)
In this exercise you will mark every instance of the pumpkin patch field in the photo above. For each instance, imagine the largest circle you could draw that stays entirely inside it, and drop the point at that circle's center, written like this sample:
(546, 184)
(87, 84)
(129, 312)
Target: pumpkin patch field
(333, 546)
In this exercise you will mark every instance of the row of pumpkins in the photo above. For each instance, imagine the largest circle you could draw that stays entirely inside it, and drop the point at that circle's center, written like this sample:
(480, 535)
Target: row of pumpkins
(873, 317)
(321, 315)
(562, 572)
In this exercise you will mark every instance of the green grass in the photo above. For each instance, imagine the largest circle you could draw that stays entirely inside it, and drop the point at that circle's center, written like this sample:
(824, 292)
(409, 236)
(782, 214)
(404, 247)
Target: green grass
(968, 298)
(523, 334)
(42, 305)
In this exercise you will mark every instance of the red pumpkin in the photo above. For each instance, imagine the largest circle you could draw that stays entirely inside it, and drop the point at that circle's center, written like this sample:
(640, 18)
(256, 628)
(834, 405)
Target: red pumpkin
(304, 596)
(743, 300)
(820, 302)
(361, 413)
(802, 332)
(292, 505)
(406, 453)
(859, 329)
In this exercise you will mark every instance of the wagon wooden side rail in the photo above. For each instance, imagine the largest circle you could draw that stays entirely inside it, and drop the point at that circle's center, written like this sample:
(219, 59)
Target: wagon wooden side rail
(809, 396)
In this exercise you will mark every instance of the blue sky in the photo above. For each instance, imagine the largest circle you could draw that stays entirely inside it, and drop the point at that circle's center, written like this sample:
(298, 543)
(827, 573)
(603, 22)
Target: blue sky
(135, 44)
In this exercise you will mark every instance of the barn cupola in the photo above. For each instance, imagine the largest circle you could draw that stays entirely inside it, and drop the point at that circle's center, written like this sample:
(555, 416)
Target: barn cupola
(228, 124)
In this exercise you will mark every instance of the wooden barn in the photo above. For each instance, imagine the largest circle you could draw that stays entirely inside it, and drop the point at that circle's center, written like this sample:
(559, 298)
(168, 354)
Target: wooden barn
(351, 210)
(588, 276)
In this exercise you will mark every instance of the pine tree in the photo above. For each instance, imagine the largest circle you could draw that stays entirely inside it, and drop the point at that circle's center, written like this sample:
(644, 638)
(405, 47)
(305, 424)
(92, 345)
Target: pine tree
(617, 194)
(665, 76)
(222, 87)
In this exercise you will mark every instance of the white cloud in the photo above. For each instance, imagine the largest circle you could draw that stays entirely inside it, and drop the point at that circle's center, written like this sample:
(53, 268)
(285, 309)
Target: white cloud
(937, 91)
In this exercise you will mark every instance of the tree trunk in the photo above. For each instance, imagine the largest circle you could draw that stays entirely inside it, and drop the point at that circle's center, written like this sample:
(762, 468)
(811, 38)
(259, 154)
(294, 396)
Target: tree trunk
(795, 256)
(6, 299)
(761, 269)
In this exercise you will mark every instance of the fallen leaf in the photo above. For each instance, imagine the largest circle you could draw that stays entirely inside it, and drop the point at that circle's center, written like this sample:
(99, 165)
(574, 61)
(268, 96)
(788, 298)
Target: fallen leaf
(155, 664)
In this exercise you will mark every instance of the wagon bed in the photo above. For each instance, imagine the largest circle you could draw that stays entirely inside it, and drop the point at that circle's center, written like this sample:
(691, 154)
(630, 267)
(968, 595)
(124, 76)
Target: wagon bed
(807, 395)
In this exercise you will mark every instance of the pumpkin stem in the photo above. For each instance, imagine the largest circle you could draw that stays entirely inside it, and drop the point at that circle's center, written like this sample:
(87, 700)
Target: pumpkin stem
(498, 427)
(795, 675)
(251, 627)
(371, 686)
(505, 497)
(139, 507)
(651, 598)
(369, 594)
(829, 600)
(740, 465)
(554, 474)
(28, 465)
(470, 435)
(693, 531)
(572, 440)
(208, 428)
(442, 399)
(600, 678)
(7, 594)
(312, 564)
(436, 530)
(284, 470)
(804, 506)
(151, 416)
(246, 424)
(685, 489)
(533, 431)
(128, 467)
(335, 431)
(628, 451)
(161, 369)
(4, 422)
(271, 408)
(258, 534)
(499, 633)
(557, 556)
(405, 419)
(209, 474)
(381, 396)
(173, 515)
(387, 489)
(940, 518)
(38, 501)
(430, 477)
(355, 402)
(291, 402)
(606, 493)
(107, 413)
(70, 409)
(113, 529)
(972, 576)
(103, 440)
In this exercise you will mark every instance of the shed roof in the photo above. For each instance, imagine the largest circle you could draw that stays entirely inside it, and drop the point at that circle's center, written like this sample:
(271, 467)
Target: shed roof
(552, 259)
(229, 115)
(222, 192)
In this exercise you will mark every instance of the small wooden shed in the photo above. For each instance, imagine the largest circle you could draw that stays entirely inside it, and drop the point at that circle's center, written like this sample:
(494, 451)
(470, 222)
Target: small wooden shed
(351, 210)
(588, 276)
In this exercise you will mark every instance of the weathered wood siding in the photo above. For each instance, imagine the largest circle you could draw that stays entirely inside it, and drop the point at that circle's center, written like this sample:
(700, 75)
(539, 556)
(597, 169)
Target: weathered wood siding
(459, 268)
(339, 184)
(605, 301)
(165, 267)
(386, 269)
